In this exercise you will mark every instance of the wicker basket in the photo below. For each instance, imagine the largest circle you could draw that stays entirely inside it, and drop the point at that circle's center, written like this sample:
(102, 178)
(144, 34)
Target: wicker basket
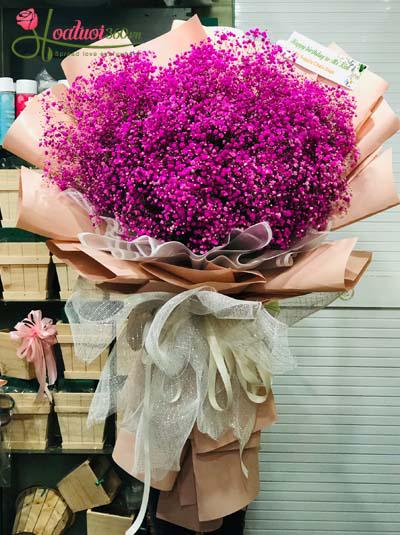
(28, 427)
(24, 270)
(67, 278)
(10, 364)
(74, 367)
(9, 186)
(41, 511)
(72, 410)
(92, 484)
(99, 523)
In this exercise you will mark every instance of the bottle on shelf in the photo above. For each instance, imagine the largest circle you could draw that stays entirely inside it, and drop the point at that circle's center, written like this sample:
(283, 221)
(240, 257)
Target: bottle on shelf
(25, 90)
(7, 106)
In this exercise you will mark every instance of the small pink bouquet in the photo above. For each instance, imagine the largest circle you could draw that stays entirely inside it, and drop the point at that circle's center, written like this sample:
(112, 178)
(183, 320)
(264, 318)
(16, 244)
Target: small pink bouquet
(193, 182)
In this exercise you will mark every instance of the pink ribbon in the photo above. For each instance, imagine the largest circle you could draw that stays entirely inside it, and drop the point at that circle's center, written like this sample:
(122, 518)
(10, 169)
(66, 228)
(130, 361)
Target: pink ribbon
(38, 336)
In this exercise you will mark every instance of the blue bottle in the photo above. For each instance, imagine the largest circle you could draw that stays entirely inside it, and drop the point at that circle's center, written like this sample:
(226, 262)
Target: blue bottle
(7, 106)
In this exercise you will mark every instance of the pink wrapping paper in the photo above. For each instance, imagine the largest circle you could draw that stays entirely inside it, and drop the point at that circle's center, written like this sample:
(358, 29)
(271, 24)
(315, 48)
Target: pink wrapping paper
(179, 506)
(24, 135)
(333, 256)
(43, 211)
(368, 94)
(78, 64)
(373, 190)
(378, 128)
(322, 269)
(368, 91)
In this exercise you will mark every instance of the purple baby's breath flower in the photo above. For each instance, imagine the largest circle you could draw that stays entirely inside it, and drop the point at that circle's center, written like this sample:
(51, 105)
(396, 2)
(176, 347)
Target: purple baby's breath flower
(226, 136)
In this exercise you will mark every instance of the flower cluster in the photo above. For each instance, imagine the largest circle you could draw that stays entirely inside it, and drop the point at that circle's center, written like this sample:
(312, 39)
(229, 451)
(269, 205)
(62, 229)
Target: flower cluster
(227, 135)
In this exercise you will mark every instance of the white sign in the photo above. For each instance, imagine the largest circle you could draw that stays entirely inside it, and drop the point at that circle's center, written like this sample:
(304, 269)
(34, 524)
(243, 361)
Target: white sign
(323, 61)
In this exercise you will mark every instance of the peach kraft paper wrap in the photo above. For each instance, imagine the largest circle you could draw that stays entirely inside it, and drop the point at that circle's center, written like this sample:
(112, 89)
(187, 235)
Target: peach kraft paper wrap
(198, 495)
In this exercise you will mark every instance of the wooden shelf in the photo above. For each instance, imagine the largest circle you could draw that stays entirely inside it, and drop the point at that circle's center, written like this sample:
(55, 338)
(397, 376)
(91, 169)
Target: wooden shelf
(58, 450)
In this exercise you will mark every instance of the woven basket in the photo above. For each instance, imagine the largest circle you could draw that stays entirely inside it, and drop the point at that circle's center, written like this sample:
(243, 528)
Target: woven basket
(29, 424)
(41, 511)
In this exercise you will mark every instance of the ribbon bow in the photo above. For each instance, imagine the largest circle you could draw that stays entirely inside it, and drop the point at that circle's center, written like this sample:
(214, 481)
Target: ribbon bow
(38, 336)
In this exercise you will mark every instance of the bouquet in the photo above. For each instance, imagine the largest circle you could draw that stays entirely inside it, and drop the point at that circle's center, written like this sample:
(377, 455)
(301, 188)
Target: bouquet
(193, 182)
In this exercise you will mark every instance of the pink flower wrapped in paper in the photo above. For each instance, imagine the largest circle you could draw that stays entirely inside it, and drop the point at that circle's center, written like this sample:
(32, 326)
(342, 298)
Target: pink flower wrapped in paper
(191, 181)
